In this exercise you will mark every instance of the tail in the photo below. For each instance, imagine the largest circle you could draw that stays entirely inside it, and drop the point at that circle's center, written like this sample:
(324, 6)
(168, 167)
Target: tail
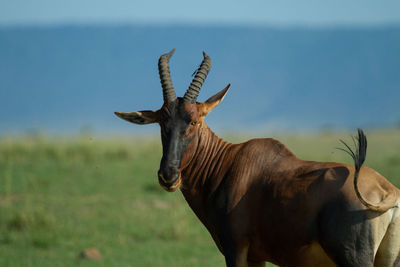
(360, 143)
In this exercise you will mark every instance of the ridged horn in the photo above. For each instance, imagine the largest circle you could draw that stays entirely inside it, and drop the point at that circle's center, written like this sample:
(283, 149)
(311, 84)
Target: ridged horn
(198, 80)
(165, 77)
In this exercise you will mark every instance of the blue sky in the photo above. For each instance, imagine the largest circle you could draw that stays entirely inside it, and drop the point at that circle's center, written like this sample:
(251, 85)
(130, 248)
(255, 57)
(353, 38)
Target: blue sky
(253, 12)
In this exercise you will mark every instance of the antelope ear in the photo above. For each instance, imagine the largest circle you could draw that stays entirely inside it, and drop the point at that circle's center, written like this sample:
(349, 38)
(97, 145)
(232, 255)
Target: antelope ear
(140, 117)
(213, 101)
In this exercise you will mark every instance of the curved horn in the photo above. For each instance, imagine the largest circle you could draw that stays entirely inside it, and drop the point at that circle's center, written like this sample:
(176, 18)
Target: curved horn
(198, 80)
(165, 77)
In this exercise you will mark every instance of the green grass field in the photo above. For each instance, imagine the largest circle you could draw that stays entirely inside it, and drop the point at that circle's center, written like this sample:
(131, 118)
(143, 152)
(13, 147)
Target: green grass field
(59, 197)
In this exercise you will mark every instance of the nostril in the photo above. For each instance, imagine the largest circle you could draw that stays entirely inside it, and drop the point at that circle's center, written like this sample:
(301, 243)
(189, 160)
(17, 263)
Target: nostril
(168, 171)
(174, 178)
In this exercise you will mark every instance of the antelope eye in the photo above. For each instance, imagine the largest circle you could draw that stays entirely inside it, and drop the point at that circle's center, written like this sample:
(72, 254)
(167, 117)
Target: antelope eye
(193, 123)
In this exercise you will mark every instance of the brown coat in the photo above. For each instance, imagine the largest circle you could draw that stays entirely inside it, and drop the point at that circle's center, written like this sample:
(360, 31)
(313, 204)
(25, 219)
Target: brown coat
(260, 198)
(260, 202)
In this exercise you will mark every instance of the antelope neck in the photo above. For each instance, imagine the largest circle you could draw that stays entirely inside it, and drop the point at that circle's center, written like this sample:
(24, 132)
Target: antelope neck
(209, 163)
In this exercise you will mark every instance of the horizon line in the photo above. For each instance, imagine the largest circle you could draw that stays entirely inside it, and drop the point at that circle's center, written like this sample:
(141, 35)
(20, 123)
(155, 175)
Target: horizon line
(200, 25)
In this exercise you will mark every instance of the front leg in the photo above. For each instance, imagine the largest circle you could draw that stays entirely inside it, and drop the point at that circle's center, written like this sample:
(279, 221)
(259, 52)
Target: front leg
(239, 259)
(235, 256)
(255, 264)
(233, 243)
(232, 227)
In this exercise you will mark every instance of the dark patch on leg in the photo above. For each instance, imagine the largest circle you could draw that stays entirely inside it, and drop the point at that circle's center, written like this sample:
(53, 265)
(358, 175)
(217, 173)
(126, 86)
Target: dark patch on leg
(331, 180)
(346, 235)
(341, 171)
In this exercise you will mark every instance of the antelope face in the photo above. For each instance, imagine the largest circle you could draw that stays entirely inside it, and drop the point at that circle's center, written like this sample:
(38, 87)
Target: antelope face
(179, 124)
(180, 120)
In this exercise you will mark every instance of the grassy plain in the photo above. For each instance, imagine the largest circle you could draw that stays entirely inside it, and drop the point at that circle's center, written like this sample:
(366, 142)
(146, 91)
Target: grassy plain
(61, 196)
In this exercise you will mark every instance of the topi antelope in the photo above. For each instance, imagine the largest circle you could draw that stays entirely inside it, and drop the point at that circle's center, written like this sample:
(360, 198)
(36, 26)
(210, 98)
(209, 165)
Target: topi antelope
(260, 202)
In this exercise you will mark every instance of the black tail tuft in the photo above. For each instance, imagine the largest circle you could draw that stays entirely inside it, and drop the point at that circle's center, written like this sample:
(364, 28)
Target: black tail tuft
(360, 149)
(360, 143)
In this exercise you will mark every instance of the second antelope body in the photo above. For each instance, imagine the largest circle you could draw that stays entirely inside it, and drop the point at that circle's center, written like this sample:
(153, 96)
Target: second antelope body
(260, 202)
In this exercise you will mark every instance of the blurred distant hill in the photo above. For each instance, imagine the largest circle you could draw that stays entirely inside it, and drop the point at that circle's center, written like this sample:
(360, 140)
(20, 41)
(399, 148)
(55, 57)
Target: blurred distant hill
(66, 78)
